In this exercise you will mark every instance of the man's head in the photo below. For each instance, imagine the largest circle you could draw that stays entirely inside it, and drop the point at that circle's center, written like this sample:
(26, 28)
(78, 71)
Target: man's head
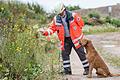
(60, 9)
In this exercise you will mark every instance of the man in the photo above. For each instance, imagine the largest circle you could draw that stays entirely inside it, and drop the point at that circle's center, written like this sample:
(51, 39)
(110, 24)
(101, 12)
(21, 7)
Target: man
(69, 30)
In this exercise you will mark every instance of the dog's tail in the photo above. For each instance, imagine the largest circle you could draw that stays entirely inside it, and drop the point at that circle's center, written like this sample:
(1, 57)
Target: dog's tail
(111, 75)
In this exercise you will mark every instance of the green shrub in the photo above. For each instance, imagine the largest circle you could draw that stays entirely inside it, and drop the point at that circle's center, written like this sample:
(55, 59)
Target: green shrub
(85, 19)
(100, 29)
(71, 8)
(17, 54)
(23, 57)
(94, 15)
(94, 19)
(27, 58)
(115, 22)
(108, 19)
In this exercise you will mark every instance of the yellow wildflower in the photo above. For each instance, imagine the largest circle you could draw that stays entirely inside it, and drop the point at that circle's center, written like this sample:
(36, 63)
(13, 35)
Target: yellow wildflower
(18, 49)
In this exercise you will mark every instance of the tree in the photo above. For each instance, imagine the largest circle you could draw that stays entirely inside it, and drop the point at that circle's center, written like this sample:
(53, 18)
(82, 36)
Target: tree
(71, 8)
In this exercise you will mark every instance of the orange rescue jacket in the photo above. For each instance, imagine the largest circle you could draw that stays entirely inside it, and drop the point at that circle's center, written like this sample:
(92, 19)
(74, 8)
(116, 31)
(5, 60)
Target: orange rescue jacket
(75, 24)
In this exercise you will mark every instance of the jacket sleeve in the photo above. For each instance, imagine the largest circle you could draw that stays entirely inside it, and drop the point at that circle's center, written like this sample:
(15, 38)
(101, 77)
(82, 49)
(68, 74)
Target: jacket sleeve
(79, 20)
(51, 29)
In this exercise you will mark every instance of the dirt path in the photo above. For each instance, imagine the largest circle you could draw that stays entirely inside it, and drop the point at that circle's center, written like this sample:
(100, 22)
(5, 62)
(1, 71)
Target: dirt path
(109, 42)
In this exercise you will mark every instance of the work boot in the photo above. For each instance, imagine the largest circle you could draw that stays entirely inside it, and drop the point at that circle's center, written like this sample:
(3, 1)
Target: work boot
(66, 73)
(86, 71)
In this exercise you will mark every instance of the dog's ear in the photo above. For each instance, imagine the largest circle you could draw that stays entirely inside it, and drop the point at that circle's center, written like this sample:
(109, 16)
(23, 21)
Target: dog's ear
(89, 43)
(84, 41)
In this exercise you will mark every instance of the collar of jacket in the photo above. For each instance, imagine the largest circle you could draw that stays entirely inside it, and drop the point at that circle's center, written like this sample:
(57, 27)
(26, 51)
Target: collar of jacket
(69, 17)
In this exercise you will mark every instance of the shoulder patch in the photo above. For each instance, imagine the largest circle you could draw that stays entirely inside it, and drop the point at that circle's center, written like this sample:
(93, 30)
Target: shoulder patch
(78, 19)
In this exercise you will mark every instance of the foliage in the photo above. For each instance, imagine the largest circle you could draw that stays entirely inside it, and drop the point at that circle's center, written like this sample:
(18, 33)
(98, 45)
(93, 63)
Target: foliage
(99, 29)
(85, 19)
(113, 21)
(35, 11)
(108, 19)
(95, 19)
(94, 15)
(23, 57)
(17, 54)
(71, 8)
(36, 8)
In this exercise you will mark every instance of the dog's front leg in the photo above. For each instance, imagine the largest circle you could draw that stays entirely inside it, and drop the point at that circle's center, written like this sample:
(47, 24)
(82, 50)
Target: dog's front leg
(90, 71)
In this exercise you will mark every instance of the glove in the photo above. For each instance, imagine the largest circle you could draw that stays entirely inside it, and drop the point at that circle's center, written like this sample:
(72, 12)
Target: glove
(45, 33)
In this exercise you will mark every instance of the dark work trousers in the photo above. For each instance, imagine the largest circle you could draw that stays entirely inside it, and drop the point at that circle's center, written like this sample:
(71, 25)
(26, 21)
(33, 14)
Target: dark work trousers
(66, 52)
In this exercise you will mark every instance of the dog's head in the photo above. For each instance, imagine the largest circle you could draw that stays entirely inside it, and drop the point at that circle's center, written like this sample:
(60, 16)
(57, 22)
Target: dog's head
(85, 42)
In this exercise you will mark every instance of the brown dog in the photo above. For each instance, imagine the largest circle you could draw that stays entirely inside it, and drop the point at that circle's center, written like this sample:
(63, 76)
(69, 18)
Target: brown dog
(95, 61)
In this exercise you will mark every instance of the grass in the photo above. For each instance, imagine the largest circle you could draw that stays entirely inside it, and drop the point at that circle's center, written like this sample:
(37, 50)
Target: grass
(100, 29)
(22, 56)
(29, 57)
